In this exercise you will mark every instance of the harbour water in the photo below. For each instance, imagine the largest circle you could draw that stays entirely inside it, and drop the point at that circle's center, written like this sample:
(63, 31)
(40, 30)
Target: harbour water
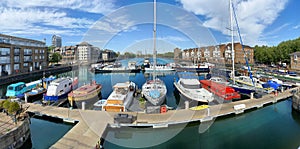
(45, 133)
(274, 126)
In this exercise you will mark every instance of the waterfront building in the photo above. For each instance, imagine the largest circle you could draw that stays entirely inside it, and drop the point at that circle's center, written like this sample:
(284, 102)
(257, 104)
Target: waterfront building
(107, 55)
(295, 61)
(19, 55)
(217, 54)
(177, 53)
(56, 41)
(84, 52)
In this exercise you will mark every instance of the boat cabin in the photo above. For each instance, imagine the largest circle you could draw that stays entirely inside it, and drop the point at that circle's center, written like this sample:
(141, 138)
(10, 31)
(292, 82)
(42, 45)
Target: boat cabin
(116, 100)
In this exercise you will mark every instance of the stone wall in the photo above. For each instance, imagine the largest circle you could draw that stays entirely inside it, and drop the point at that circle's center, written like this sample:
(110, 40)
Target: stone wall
(296, 100)
(17, 136)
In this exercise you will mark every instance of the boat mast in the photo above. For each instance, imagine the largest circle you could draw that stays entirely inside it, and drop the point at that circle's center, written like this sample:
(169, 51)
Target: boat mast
(154, 42)
(232, 44)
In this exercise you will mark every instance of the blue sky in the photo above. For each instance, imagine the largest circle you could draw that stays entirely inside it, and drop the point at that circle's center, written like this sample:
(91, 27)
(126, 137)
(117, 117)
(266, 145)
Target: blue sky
(126, 25)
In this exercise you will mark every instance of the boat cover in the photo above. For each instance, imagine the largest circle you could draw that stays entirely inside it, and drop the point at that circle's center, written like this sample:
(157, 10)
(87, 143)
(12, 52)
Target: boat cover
(154, 93)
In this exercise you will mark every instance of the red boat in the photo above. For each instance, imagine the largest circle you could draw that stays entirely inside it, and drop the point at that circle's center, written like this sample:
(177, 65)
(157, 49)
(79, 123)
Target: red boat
(223, 91)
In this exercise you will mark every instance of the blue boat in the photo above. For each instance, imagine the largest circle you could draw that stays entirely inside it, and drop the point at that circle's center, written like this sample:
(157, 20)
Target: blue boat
(18, 89)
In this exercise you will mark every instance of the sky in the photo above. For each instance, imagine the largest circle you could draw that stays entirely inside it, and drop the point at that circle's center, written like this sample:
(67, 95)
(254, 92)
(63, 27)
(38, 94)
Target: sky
(127, 25)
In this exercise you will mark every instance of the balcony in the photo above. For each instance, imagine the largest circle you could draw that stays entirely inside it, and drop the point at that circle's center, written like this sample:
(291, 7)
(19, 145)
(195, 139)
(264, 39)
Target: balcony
(27, 53)
(28, 60)
(4, 53)
(5, 61)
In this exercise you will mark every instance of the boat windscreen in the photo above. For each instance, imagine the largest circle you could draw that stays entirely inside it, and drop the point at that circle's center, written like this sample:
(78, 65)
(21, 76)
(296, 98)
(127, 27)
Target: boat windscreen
(194, 86)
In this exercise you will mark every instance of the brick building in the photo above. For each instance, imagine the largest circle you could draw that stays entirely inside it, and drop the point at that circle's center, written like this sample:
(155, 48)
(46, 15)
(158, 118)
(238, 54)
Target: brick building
(217, 54)
(21, 55)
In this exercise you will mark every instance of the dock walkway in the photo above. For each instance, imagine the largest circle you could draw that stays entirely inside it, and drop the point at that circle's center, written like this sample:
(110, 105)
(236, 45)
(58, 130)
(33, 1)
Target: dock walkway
(92, 124)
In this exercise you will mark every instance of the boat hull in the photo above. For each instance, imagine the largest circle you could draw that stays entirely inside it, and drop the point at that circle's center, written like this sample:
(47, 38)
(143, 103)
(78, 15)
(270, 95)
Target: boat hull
(242, 90)
(198, 70)
(32, 97)
(221, 90)
(55, 98)
(117, 71)
(185, 96)
(89, 99)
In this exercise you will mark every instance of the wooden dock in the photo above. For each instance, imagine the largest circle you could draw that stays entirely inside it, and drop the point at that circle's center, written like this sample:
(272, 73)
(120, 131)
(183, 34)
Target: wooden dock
(92, 124)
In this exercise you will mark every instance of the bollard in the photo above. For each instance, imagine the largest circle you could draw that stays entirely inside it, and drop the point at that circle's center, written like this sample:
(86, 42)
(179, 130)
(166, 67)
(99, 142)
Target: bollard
(26, 98)
(281, 89)
(251, 96)
(83, 105)
(208, 112)
(187, 104)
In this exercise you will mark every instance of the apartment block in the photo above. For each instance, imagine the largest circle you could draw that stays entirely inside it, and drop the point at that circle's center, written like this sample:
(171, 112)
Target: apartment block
(218, 54)
(19, 55)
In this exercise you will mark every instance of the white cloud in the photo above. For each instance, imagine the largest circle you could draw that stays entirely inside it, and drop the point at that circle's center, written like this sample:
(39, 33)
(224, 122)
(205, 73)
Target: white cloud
(276, 30)
(296, 27)
(49, 17)
(253, 15)
(113, 25)
(173, 39)
(95, 6)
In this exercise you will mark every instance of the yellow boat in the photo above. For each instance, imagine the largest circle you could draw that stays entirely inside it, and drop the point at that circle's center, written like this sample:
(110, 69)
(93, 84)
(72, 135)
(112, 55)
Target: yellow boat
(199, 107)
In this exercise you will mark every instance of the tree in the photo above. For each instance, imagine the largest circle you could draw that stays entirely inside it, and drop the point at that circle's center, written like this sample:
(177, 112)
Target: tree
(56, 57)
(50, 49)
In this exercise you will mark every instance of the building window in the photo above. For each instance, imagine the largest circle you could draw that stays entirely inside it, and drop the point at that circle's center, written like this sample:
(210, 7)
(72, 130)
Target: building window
(27, 51)
(25, 64)
(17, 59)
(16, 66)
(4, 60)
(4, 51)
(36, 51)
(27, 58)
(17, 51)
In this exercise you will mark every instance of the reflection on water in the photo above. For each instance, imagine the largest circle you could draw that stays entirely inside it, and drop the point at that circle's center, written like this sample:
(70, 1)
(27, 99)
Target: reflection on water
(274, 126)
(45, 133)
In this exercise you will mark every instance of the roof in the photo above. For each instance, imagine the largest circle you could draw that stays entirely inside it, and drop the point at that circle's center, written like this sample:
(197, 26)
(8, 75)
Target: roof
(84, 43)
(121, 85)
(17, 84)
(295, 53)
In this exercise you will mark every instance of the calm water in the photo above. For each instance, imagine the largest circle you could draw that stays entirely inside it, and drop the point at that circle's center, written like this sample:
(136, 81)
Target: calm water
(45, 133)
(274, 126)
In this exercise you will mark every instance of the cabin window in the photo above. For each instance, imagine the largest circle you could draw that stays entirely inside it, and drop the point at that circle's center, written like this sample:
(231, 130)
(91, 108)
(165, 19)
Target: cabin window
(10, 88)
(61, 91)
(65, 85)
(70, 84)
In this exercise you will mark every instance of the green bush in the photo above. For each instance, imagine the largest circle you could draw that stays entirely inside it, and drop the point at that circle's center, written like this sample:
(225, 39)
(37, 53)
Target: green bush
(1, 104)
(13, 108)
(6, 104)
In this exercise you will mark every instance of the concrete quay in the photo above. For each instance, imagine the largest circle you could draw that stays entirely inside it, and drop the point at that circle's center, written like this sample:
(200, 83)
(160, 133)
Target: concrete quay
(85, 134)
(92, 124)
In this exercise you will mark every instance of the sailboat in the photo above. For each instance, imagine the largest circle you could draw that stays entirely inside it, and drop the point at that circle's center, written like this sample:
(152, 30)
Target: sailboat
(238, 87)
(154, 90)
